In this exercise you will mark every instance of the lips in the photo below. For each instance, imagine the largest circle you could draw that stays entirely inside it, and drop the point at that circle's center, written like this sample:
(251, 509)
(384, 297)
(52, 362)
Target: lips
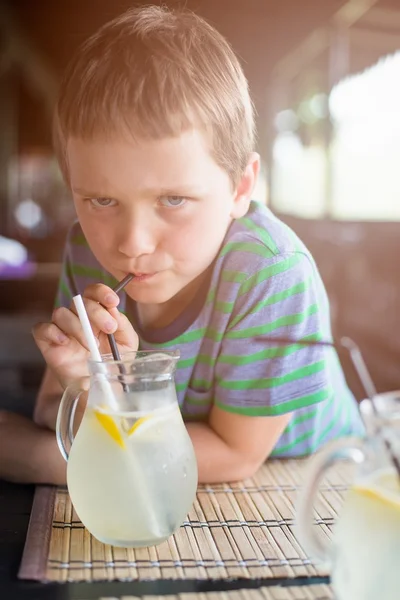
(142, 277)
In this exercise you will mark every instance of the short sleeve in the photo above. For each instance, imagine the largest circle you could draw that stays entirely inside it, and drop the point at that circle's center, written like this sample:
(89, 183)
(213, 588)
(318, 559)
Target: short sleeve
(255, 375)
(79, 268)
(66, 285)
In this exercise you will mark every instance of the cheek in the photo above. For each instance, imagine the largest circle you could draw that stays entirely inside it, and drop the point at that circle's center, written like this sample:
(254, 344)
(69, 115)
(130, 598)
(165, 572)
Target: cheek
(97, 234)
(197, 241)
(183, 241)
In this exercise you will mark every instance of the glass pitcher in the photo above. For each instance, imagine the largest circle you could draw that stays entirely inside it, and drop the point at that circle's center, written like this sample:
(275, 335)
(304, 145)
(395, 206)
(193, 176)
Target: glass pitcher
(132, 471)
(364, 556)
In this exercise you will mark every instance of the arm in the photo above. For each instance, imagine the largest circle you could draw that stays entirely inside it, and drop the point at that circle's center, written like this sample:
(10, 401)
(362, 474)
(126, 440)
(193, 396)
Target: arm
(29, 453)
(257, 384)
(28, 449)
(231, 447)
(63, 346)
(48, 401)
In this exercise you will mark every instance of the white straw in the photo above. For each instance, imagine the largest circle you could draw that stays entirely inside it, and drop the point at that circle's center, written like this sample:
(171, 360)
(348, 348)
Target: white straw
(87, 328)
(137, 472)
(93, 348)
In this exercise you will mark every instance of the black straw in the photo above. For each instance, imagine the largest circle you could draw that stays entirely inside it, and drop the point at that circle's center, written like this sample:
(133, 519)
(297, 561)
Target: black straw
(113, 344)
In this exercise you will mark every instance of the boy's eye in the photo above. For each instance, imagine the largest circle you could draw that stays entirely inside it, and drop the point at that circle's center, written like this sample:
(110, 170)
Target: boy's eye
(172, 201)
(102, 202)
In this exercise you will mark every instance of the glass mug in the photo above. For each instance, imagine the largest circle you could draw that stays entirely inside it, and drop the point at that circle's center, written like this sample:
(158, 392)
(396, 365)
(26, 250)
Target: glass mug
(132, 471)
(364, 557)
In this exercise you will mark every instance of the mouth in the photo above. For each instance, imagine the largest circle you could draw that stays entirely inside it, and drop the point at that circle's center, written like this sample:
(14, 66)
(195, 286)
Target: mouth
(142, 277)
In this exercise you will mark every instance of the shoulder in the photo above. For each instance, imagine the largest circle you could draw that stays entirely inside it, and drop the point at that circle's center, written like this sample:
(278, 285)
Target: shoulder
(258, 241)
(263, 227)
(75, 243)
(80, 260)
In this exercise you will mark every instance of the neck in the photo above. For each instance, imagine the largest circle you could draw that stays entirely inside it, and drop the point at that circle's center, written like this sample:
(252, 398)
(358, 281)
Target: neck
(157, 316)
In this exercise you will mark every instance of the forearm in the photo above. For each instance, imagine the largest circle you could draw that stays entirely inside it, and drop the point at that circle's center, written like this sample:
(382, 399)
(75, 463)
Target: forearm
(216, 460)
(45, 413)
(29, 453)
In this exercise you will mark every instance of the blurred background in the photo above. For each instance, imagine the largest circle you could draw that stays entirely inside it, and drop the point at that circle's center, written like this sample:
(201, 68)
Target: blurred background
(325, 79)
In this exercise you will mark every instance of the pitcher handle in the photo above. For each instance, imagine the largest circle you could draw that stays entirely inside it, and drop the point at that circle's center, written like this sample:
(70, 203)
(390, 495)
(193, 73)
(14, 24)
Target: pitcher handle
(66, 416)
(338, 451)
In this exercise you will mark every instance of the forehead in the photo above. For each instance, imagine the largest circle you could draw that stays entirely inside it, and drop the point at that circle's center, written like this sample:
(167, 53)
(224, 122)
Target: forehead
(186, 157)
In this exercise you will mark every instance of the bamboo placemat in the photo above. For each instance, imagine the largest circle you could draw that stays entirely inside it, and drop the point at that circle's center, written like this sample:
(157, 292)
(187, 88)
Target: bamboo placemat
(304, 592)
(238, 530)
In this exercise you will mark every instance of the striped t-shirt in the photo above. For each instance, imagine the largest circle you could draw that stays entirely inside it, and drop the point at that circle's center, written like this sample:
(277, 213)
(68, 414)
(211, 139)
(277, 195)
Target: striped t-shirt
(263, 285)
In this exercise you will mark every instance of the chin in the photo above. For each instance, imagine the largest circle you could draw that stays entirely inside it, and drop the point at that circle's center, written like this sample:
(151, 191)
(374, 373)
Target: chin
(152, 296)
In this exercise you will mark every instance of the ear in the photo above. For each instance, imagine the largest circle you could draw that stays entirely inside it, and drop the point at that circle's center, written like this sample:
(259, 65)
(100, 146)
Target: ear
(245, 187)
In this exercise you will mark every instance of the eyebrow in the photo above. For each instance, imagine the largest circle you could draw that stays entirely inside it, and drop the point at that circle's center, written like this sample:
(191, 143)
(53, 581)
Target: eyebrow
(176, 190)
(83, 192)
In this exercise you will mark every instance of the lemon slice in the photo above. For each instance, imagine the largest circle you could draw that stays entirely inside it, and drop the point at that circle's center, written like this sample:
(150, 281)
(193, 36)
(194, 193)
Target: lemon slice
(385, 489)
(150, 421)
(111, 427)
(109, 424)
(138, 423)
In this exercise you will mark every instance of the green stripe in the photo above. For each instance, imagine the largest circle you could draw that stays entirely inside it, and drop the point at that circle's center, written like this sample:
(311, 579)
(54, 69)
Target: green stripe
(211, 295)
(224, 307)
(186, 362)
(332, 423)
(227, 307)
(344, 430)
(197, 401)
(285, 321)
(280, 409)
(186, 338)
(181, 387)
(264, 274)
(79, 240)
(247, 283)
(262, 233)
(302, 438)
(273, 299)
(233, 359)
(234, 276)
(271, 382)
(205, 359)
(311, 414)
(306, 435)
(251, 247)
(204, 384)
(64, 289)
(100, 276)
(296, 240)
(217, 336)
(340, 408)
(268, 353)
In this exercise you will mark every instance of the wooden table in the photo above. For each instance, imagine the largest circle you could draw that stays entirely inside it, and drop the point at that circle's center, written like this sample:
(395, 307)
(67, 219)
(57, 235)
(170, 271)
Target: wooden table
(15, 508)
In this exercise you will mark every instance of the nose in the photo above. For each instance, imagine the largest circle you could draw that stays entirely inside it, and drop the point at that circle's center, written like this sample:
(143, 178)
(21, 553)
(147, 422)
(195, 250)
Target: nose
(137, 236)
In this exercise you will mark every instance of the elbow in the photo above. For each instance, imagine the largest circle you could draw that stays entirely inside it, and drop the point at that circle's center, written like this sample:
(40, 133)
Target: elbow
(38, 416)
(43, 416)
(244, 468)
(247, 470)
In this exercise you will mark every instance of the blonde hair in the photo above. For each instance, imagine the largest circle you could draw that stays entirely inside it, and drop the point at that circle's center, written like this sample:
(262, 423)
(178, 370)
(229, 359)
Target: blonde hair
(153, 73)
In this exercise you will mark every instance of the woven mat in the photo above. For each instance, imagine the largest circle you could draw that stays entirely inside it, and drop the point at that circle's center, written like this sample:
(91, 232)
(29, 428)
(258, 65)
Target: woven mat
(238, 530)
(304, 592)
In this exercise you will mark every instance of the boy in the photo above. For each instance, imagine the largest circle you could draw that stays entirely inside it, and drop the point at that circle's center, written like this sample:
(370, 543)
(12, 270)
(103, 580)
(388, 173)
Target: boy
(154, 134)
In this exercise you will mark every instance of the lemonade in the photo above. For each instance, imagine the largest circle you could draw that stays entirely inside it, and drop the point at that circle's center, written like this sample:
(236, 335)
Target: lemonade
(132, 475)
(366, 552)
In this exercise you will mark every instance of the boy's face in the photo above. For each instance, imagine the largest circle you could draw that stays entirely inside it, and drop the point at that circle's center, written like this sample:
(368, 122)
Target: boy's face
(159, 208)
